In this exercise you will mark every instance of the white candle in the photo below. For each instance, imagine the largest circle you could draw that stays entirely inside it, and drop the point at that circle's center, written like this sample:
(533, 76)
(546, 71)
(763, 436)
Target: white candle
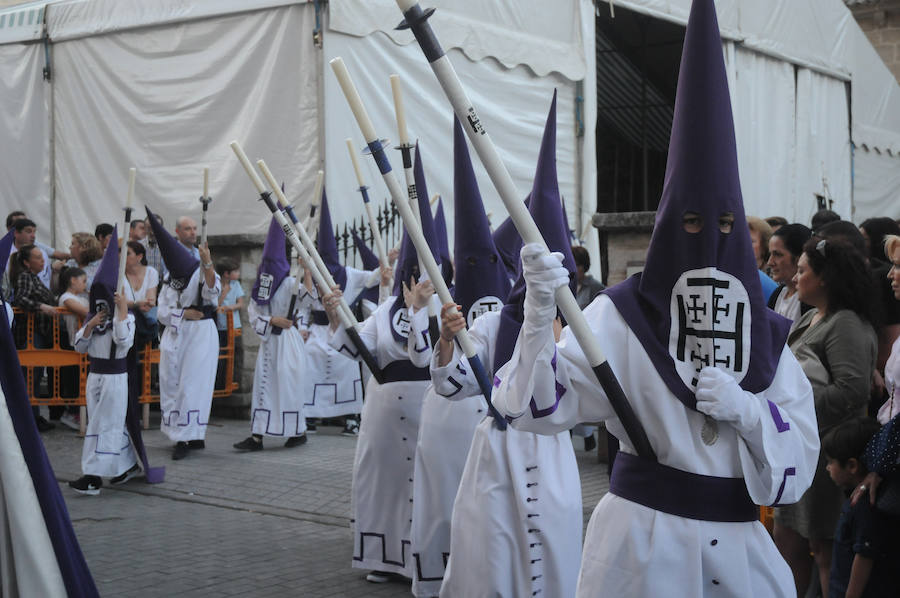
(399, 110)
(353, 158)
(206, 182)
(356, 105)
(245, 162)
(132, 173)
(317, 192)
(123, 245)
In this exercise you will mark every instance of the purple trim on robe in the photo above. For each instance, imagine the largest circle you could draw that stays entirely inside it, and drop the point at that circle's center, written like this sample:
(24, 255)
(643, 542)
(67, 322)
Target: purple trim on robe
(780, 424)
(560, 391)
(787, 472)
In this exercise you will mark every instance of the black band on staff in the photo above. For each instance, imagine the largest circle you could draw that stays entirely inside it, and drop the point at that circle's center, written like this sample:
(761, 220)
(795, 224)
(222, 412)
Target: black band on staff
(415, 17)
(377, 150)
(619, 402)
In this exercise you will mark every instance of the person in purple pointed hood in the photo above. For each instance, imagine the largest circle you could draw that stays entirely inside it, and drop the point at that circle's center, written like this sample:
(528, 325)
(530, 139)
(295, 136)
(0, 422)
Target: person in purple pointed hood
(440, 231)
(336, 389)
(369, 298)
(106, 336)
(517, 517)
(383, 466)
(41, 552)
(189, 347)
(703, 363)
(446, 428)
(281, 379)
(508, 243)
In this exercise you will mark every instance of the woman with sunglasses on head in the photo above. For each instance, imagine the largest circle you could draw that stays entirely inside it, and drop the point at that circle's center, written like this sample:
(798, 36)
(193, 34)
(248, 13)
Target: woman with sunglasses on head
(836, 345)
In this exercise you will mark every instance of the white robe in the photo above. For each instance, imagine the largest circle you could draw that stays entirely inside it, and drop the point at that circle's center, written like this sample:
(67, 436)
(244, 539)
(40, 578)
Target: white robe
(517, 516)
(188, 354)
(107, 450)
(281, 378)
(631, 550)
(382, 493)
(336, 386)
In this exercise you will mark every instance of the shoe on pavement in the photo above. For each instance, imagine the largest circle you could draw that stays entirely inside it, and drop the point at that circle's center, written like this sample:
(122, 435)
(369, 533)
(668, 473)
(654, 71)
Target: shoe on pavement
(378, 577)
(180, 452)
(295, 441)
(589, 443)
(43, 425)
(71, 420)
(87, 484)
(249, 444)
(351, 428)
(196, 444)
(132, 473)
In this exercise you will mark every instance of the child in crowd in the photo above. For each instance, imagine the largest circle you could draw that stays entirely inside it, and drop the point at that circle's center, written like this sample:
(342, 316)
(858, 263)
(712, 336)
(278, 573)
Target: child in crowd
(230, 299)
(863, 562)
(74, 298)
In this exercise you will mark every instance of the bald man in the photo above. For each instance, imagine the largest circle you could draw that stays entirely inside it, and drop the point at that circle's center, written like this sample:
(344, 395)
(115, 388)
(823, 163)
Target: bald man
(186, 232)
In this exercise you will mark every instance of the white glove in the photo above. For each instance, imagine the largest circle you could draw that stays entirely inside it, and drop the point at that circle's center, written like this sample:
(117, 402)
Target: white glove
(720, 397)
(544, 273)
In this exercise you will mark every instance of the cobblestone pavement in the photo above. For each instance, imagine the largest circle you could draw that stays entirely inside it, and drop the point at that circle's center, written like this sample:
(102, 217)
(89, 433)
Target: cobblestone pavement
(270, 523)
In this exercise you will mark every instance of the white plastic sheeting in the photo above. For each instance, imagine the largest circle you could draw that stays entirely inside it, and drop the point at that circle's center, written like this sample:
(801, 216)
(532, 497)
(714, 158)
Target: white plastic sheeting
(25, 126)
(513, 104)
(169, 100)
(793, 136)
(70, 19)
(822, 36)
(546, 36)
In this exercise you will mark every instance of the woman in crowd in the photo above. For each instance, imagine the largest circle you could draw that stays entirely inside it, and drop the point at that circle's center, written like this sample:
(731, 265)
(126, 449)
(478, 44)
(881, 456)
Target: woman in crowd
(835, 343)
(31, 295)
(785, 248)
(86, 254)
(140, 292)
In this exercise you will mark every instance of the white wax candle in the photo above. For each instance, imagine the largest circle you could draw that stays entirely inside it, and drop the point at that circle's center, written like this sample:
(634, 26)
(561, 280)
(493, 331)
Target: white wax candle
(317, 190)
(206, 182)
(399, 110)
(245, 162)
(352, 96)
(132, 173)
(353, 158)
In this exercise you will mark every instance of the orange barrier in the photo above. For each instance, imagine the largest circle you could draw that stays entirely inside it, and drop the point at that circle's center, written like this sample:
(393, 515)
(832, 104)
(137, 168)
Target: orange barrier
(767, 517)
(56, 357)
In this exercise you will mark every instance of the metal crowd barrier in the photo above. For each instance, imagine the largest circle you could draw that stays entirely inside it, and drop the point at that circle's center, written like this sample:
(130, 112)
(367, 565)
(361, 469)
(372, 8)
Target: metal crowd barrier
(55, 357)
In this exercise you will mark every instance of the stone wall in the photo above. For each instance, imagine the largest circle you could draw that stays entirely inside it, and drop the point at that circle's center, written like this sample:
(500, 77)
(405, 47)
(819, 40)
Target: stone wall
(880, 19)
(624, 238)
(247, 250)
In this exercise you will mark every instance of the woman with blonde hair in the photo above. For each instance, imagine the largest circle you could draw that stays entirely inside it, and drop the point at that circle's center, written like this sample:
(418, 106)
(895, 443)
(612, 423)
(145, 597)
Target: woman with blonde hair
(86, 253)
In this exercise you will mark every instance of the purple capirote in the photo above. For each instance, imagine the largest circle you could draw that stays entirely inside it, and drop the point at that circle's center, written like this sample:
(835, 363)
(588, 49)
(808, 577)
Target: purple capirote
(273, 268)
(701, 177)
(480, 272)
(547, 211)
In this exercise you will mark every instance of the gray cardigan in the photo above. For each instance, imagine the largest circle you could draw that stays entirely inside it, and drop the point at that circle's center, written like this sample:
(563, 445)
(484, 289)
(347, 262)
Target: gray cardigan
(846, 345)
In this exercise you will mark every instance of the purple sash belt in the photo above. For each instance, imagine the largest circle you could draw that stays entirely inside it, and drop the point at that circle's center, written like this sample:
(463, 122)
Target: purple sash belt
(404, 371)
(97, 365)
(681, 493)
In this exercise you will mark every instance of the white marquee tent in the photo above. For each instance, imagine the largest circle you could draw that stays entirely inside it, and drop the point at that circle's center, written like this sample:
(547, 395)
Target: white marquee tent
(165, 86)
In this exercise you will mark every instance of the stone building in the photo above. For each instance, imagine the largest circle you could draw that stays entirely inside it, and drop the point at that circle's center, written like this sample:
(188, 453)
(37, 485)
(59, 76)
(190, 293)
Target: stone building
(880, 19)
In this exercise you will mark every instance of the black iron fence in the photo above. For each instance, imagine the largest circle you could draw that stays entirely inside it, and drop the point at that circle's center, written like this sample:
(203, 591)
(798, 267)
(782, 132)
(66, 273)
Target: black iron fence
(390, 227)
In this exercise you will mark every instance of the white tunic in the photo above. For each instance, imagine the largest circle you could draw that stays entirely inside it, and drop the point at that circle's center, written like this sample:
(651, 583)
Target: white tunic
(517, 516)
(382, 493)
(188, 353)
(631, 550)
(336, 385)
(107, 449)
(891, 407)
(281, 379)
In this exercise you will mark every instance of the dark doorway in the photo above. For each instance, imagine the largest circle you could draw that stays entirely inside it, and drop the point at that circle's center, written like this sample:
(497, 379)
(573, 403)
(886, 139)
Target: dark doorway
(637, 73)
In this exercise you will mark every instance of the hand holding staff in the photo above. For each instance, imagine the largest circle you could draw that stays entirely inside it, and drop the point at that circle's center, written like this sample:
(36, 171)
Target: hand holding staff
(417, 19)
(413, 228)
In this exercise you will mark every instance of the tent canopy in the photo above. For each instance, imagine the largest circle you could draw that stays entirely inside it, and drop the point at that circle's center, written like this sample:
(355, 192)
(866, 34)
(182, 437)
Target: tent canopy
(164, 86)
